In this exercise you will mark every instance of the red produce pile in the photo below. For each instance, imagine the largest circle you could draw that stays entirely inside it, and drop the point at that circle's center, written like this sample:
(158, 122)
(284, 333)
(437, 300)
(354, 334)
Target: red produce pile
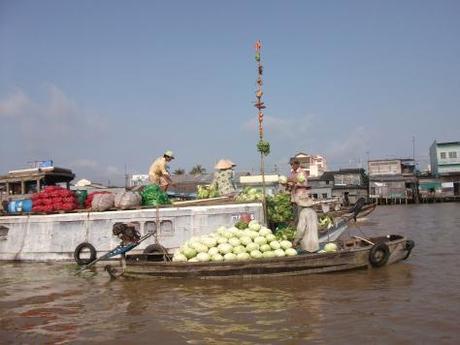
(54, 198)
(90, 198)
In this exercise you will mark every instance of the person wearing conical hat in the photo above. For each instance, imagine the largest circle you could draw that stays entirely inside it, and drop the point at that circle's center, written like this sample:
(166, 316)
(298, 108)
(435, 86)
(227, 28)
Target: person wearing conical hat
(223, 179)
(158, 172)
(231, 163)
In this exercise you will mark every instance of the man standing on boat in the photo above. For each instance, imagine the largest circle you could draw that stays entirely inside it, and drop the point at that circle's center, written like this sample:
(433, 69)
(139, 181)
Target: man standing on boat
(296, 184)
(158, 172)
(305, 216)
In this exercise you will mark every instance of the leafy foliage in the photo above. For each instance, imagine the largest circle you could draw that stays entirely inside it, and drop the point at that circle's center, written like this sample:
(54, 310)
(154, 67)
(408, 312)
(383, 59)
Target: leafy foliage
(250, 194)
(286, 233)
(198, 170)
(263, 147)
(206, 191)
(280, 209)
(152, 195)
(241, 225)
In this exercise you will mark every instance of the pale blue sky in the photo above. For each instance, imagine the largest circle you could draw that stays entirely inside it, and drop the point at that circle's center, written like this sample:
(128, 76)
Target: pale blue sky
(95, 85)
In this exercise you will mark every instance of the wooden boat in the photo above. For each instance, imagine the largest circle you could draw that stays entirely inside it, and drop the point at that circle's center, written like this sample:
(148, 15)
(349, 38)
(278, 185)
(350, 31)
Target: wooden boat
(355, 253)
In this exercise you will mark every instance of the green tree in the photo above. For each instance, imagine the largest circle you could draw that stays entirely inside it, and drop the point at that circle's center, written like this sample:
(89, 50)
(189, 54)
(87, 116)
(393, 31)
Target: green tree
(198, 170)
(179, 171)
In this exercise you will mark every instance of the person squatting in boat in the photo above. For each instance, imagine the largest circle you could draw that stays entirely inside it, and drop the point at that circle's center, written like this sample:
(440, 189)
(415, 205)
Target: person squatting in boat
(158, 172)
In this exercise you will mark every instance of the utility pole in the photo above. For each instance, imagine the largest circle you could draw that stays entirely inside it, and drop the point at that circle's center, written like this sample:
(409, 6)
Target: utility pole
(126, 176)
(367, 168)
(413, 148)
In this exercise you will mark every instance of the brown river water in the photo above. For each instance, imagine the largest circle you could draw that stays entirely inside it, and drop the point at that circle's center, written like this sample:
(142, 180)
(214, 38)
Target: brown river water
(413, 302)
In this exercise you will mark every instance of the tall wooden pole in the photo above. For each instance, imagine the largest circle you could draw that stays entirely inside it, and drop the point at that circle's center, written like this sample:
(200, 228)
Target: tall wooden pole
(260, 106)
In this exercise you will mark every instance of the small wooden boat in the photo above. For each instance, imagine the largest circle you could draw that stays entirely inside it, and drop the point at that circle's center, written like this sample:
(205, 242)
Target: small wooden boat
(355, 253)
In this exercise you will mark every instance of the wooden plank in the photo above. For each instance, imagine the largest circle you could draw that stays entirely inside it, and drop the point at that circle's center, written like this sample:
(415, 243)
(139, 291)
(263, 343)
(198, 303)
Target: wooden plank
(200, 201)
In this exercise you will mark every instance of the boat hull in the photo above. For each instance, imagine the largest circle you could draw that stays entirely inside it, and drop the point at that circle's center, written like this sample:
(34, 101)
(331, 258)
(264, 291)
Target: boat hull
(347, 259)
(55, 237)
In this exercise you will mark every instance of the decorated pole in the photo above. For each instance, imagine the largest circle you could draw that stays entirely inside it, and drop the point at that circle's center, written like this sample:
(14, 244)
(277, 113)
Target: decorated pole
(262, 146)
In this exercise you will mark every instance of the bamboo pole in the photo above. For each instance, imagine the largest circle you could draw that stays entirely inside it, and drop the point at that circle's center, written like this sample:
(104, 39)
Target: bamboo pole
(260, 106)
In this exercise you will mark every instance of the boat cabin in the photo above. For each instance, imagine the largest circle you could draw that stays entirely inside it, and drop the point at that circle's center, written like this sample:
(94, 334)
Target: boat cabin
(19, 184)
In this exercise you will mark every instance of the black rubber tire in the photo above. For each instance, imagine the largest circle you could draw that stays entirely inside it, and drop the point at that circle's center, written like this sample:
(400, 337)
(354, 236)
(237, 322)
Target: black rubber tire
(409, 246)
(379, 254)
(160, 253)
(79, 249)
(152, 249)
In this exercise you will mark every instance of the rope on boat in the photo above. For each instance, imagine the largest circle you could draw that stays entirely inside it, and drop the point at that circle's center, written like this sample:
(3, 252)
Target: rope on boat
(157, 242)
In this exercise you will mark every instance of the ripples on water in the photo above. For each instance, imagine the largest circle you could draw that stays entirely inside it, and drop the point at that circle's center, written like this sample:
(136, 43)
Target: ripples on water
(414, 302)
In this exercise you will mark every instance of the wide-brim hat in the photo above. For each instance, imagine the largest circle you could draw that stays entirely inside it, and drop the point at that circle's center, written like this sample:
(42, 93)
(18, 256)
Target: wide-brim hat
(169, 153)
(223, 164)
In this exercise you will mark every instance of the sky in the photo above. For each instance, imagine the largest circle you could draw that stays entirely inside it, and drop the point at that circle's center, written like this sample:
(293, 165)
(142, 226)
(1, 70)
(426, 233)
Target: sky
(105, 87)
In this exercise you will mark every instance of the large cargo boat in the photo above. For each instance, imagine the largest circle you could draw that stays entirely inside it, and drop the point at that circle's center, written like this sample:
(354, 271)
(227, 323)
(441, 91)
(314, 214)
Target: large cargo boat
(54, 237)
(57, 236)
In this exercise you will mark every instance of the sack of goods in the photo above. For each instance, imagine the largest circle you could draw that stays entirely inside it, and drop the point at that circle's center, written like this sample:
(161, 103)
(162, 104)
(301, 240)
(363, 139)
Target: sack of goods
(254, 242)
(102, 202)
(90, 197)
(54, 198)
(152, 195)
(127, 200)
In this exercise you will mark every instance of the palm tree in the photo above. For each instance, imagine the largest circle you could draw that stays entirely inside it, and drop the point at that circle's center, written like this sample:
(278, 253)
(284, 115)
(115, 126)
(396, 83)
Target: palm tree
(179, 171)
(198, 170)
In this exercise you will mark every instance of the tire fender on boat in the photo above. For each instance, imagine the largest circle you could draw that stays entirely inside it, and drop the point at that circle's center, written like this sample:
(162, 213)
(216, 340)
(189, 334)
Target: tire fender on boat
(379, 254)
(153, 249)
(78, 251)
(409, 246)
(159, 252)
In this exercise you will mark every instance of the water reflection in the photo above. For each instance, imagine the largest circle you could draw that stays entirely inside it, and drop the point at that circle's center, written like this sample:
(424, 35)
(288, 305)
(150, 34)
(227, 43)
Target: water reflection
(416, 299)
(228, 311)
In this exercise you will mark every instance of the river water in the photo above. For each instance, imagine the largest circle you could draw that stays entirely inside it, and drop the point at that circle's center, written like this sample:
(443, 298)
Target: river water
(413, 302)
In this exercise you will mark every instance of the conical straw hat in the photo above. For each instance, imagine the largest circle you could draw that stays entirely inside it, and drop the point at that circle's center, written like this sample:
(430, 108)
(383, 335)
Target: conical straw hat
(223, 164)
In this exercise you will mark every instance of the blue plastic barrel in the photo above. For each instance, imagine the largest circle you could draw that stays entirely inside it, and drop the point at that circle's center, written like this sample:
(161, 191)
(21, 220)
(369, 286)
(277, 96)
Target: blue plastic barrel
(26, 205)
(12, 207)
(18, 205)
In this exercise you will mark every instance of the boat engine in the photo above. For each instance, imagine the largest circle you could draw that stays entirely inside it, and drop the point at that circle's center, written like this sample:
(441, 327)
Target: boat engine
(127, 233)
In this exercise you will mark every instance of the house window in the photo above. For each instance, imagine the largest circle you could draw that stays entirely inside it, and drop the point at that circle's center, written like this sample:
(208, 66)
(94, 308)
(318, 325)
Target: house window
(324, 195)
(443, 155)
(315, 196)
(452, 154)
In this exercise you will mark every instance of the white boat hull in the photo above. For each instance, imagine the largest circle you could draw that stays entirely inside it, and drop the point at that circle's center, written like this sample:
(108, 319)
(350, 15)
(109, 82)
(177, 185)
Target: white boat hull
(55, 237)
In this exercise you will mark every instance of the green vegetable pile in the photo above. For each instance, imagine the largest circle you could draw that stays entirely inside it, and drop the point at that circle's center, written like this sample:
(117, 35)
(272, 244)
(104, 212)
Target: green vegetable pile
(263, 147)
(230, 244)
(206, 191)
(325, 222)
(285, 233)
(250, 194)
(152, 195)
(279, 208)
(241, 225)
